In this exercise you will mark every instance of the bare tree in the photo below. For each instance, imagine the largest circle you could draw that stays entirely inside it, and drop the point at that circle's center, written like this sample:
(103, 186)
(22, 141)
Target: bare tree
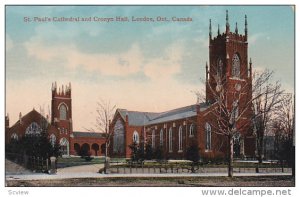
(104, 114)
(284, 128)
(232, 104)
(285, 115)
(267, 96)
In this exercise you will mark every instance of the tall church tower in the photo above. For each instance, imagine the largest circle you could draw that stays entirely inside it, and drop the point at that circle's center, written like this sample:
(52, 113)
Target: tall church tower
(229, 78)
(61, 115)
(228, 62)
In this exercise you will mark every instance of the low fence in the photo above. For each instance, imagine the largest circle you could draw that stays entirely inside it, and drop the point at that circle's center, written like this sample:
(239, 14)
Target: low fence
(37, 164)
(139, 168)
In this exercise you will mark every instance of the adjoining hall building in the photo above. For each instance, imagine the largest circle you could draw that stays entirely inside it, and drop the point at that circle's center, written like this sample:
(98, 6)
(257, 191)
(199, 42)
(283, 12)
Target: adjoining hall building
(173, 131)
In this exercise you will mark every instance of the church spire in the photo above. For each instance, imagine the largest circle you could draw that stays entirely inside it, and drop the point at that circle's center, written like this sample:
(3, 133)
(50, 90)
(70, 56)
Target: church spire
(227, 23)
(218, 30)
(210, 29)
(246, 27)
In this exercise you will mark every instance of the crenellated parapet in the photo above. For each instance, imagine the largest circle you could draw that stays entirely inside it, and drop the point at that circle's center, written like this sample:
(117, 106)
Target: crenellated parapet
(62, 91)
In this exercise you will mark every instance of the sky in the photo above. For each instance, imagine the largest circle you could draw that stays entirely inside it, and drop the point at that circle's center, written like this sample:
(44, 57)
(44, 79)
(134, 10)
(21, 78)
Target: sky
(140, 66)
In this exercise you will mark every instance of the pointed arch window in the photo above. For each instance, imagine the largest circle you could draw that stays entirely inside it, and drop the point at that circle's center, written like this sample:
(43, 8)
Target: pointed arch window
(135, 137)
(192, 130)
(161, 137)
(180, 139)
(14, 136)
(64, 146)
(219, 68)
(62, 112)
(52, 140)
(33, 129)
(118, 138)
(208, 136)
(153, 138)
(236, 66)
(170, 140)
(234, 113)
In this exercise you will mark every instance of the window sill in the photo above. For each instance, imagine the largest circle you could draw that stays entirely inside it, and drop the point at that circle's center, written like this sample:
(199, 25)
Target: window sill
(180, 151)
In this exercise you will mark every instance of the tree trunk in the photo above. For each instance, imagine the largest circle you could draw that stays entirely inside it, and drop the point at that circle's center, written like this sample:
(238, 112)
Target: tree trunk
(230, 156)
(105, 160)
(260, 149)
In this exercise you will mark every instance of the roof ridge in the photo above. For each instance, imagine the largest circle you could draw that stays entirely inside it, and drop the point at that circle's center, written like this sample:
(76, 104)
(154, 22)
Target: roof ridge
(166, 113)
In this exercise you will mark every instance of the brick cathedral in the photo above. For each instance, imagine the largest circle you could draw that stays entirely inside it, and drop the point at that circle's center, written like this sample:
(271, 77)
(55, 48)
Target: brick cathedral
(172, 131)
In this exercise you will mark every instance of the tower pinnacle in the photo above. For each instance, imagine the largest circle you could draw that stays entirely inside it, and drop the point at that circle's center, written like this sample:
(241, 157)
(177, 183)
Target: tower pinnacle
(210, 29)
(236, 29)
(227, 23)
(246, 27)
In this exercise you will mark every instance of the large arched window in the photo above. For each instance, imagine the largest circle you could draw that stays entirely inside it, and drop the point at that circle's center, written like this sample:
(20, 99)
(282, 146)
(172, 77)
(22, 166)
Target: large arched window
(170, 140)
(153, 138)
(208, 136)
(180, 139)
(236, 66)
(62, 112)
(161, 137)
(118, 139)
(192, 130)
(52, 139)
(33, 129)
(135, 137)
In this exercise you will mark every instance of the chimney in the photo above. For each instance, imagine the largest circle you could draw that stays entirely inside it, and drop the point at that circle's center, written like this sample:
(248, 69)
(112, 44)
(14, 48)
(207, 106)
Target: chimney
(126, 117)
(20, 117)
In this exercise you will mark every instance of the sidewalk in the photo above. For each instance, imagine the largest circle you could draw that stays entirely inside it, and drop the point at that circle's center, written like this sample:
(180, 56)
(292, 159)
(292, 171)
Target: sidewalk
(91, 171)
(59, 175)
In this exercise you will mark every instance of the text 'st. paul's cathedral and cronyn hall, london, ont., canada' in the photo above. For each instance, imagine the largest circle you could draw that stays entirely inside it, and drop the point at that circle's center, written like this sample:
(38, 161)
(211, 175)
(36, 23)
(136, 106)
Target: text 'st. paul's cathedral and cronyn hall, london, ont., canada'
(228, 75)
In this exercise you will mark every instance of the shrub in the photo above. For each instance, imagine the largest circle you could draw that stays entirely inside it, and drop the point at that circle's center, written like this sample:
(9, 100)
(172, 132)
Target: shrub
(149, 152)
(192, 153)
(158, 153)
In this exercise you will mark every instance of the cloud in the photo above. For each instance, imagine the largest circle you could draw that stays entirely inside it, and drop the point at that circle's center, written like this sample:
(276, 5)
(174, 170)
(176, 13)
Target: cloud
(254, 38)
(165, 66)
(122, 64)
(9, 43)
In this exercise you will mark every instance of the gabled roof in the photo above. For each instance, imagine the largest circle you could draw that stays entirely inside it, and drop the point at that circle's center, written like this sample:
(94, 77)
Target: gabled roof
(179, 113)
(136, 118)
(88, 134)
(32, 116)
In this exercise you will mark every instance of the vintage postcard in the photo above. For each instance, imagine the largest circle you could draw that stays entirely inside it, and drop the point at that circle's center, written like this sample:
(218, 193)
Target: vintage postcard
(156, 95)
